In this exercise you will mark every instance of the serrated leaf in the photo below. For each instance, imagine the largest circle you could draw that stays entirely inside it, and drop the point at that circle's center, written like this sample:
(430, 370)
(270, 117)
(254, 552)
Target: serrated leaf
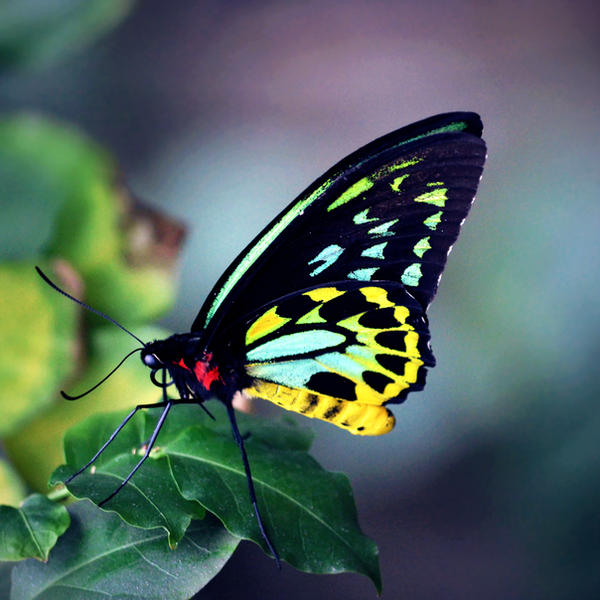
(152, 498)
(31, 530)
(102, 557)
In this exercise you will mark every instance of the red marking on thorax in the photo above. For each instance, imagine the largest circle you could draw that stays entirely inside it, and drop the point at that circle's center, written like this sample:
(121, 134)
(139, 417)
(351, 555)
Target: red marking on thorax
(182, 364)
(203, 374)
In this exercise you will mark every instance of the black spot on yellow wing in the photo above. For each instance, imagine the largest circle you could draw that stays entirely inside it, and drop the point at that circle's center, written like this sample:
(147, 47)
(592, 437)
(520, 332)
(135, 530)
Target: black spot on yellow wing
(348, 304)
(333, 384)
(392, 362)
(333, 411)
(395, 340)
(378, 381)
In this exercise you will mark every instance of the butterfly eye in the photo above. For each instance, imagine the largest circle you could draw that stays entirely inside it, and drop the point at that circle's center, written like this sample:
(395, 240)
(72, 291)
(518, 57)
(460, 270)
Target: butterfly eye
(151, 360)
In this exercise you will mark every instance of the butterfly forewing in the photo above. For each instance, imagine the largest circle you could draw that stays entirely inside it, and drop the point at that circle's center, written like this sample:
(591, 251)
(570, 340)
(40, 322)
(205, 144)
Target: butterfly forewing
(391, 210)
(340, 352)
(396, 224)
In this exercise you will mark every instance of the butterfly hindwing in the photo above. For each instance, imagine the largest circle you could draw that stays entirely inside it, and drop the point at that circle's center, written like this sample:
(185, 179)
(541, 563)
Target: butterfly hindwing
(389, 211)
(340, 352)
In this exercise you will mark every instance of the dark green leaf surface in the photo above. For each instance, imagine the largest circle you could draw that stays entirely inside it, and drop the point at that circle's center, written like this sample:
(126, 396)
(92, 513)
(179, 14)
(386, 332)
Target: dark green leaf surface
(150, 500)
(31, 530)
(102, 557)
(282, 432)
(308, 512)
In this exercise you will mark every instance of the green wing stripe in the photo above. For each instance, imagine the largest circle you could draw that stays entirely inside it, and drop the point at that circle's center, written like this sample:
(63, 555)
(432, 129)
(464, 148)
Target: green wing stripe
(362, 185)
(450, 128)
(259, 247)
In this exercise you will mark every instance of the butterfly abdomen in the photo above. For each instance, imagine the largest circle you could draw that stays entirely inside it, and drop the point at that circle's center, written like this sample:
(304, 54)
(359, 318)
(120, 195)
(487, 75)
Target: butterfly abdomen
(357, 418)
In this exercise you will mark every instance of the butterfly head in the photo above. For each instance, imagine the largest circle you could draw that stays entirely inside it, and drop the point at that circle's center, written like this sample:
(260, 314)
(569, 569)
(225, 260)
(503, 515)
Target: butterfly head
(161, 354)
(189, 366)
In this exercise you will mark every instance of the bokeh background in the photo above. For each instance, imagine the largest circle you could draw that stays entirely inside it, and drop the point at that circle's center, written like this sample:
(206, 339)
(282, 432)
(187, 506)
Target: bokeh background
(220, 113)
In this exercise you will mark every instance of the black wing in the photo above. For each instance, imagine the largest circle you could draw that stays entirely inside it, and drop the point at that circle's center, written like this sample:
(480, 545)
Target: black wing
(389, 211)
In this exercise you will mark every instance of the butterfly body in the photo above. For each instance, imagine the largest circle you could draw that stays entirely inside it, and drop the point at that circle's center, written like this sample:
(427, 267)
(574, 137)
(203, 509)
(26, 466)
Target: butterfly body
(195, 371)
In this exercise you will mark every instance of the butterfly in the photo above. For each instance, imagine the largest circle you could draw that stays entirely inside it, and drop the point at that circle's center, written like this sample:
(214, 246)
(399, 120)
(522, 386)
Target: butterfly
(325, 311)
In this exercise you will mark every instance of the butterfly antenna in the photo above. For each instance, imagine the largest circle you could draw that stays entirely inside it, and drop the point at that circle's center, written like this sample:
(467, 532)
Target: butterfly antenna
(239, 440)
(69, 397)
(86, 306)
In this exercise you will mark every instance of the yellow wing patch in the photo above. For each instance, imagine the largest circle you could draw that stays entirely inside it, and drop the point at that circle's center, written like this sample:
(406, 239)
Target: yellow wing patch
(264, 325)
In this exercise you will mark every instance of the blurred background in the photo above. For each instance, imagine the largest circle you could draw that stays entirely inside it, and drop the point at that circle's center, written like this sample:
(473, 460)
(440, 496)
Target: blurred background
(220, 113)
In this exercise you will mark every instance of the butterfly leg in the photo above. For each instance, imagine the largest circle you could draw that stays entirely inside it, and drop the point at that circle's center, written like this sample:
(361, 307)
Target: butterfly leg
(114, 434)
(167, 406)
(239, 440)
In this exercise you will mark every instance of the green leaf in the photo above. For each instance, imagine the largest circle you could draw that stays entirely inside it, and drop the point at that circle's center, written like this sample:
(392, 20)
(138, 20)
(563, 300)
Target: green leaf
(31, 530)
(37, 350)
(150, 500)
(308, 512)
(34, 32)
(102, 557)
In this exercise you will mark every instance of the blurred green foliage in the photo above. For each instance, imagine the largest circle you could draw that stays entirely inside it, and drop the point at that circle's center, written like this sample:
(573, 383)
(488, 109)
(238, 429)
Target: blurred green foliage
(37, 32)
(38, 353)
(67, 213)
